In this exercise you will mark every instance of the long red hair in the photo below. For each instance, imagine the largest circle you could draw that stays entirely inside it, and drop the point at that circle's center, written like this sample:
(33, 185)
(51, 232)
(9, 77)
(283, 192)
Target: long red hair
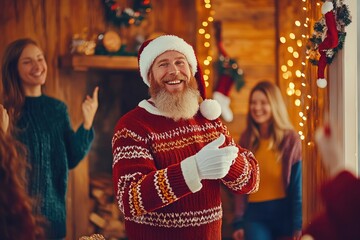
(13, 95)
(16, 218)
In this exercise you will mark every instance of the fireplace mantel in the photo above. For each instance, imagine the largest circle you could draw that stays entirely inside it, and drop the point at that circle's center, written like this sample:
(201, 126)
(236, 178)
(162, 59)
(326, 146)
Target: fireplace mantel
(84, 63)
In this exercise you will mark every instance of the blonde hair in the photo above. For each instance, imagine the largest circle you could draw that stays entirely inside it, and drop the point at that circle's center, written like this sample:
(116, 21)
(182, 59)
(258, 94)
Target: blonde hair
(279, 124)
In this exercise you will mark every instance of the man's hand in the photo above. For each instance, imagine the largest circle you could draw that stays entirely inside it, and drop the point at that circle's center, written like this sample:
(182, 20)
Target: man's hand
(214, 162)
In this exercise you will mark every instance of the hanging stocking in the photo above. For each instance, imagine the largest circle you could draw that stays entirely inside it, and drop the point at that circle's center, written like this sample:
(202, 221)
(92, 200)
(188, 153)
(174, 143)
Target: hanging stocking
(225, 82)
(331, 41)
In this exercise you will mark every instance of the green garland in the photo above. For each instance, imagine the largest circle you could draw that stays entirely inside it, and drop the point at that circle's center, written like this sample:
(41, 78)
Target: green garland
(120, 16)
(229, 66)
(343, 19)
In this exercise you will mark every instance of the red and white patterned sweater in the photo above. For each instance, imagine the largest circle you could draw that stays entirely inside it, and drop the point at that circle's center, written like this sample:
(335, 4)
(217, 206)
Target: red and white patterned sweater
(161, 195)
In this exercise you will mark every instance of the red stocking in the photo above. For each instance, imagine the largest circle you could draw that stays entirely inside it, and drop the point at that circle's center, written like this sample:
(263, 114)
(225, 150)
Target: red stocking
(331, 41)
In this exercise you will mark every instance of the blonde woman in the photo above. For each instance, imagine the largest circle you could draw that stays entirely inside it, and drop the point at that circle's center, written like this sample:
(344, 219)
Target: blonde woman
(275, 211)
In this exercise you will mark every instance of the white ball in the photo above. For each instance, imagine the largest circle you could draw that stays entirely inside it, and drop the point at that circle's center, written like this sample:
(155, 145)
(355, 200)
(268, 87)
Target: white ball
(210, 109)
(321, 83)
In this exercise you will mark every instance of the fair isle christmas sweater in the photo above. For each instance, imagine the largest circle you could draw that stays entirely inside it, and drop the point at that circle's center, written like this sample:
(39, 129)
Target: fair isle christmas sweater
(156, 182)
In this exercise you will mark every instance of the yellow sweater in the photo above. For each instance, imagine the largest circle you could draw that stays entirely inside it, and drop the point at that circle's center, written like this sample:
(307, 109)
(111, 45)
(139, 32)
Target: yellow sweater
(271, 185)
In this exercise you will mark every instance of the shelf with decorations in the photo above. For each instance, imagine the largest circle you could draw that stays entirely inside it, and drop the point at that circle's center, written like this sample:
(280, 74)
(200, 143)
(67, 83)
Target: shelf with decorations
(109, 50)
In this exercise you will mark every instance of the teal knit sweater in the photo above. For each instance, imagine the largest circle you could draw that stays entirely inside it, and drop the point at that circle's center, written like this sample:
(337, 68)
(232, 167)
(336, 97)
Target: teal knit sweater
(53, 149)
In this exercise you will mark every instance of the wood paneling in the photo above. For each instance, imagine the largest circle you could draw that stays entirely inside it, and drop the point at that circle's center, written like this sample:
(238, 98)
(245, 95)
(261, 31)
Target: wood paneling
(249, 37)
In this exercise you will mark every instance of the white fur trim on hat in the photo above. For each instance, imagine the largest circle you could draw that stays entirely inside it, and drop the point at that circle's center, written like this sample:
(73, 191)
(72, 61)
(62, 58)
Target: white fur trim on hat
(327, 7)
(210, 109)
(160, 45)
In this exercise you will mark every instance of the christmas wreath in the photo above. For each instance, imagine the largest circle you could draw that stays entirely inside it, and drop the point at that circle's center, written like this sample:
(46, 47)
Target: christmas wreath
(328, 36)
(126, 16)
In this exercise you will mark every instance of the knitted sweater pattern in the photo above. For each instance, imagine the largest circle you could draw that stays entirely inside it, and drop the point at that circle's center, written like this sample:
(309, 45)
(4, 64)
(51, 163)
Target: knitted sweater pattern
(149, 180)
(53, 148)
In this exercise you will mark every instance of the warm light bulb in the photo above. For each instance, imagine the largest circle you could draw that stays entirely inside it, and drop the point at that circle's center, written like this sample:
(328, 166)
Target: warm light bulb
(289, 91)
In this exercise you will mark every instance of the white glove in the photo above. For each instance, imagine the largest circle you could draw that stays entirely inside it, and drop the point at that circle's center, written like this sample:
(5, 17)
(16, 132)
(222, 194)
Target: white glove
(214, 162)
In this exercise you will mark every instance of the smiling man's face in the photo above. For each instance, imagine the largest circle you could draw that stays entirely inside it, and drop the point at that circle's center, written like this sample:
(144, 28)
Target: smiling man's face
(171, 71)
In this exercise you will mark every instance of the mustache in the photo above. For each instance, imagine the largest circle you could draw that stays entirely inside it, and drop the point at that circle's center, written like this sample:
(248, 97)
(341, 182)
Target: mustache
(176, 77)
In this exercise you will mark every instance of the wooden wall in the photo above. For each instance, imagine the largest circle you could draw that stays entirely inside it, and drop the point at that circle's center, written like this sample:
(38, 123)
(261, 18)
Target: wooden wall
(249, 37)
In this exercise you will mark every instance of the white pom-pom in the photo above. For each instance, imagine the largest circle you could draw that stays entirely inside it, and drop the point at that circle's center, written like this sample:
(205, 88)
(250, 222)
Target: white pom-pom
(321, 83)
(327, 7)
(210, 109)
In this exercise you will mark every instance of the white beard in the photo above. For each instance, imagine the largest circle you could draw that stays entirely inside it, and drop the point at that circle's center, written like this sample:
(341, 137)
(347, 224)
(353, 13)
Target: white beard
(182, 105)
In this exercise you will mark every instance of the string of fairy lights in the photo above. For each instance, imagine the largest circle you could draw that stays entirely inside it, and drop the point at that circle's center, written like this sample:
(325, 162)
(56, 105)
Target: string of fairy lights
(295, 61)
(205, 33)
(295, 66)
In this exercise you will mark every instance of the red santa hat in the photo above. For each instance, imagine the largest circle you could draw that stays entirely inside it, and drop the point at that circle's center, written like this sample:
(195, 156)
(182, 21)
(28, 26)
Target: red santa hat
(153, 48)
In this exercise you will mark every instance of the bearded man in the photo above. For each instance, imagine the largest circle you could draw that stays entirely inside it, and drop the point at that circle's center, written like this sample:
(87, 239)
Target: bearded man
(172, 152)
